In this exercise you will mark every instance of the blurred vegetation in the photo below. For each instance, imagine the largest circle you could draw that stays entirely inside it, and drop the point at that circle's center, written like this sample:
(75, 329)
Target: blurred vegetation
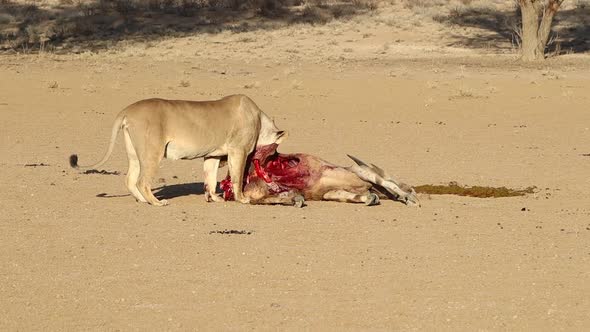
(27, 26)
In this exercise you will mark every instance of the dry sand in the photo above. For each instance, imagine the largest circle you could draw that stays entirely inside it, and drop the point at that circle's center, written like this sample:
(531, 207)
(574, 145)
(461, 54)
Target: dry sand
(78, 253)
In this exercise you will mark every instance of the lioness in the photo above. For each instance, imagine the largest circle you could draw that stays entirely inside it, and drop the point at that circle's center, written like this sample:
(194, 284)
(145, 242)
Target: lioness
(180, 129)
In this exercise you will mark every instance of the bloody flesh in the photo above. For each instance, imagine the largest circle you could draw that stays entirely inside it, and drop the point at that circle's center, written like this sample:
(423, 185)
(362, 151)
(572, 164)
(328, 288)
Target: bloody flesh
(282, 172)
(226, 186)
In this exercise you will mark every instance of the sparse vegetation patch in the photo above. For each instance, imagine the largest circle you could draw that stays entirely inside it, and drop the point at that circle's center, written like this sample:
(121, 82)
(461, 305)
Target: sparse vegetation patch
(95, 24)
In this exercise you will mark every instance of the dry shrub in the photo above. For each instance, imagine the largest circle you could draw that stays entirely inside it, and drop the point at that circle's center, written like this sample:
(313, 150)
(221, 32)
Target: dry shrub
(315, 15)
(72, 22)
(342, 10)
(366, 4)
(413, 4)
(271, 8)
(6, 18)
(124, 7)
(33, 34)
(189, 7)
(154, 4)
(29, 12)
(84, 28)
(322, 11)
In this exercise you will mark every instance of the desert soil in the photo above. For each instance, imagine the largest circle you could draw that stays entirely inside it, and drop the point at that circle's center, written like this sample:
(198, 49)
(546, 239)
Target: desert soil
(78, 253)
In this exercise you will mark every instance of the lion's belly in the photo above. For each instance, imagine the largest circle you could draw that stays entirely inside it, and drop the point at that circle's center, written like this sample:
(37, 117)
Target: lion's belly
(177, 151)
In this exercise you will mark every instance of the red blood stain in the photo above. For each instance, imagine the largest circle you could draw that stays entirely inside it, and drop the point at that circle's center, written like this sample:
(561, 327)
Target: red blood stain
(288, 171)
(282, 172)
(226, 186)
(260, 172)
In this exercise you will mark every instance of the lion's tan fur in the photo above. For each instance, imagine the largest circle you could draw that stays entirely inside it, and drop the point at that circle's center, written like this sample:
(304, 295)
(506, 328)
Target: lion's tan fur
(178, 129)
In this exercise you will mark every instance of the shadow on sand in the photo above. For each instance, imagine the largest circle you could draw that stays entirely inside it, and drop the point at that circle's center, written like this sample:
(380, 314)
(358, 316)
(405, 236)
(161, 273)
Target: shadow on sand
(571, 29)
(168, 192)
(179, 190)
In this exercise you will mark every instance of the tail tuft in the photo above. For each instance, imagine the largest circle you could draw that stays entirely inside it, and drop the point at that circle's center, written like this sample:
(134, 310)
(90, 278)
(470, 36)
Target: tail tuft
(74, 161)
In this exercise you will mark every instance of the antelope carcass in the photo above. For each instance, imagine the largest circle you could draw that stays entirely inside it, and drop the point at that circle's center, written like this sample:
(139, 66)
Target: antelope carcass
(290, 179)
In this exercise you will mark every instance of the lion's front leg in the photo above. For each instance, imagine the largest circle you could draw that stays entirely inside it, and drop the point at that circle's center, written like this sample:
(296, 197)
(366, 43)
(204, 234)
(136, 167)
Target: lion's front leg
(236, 160)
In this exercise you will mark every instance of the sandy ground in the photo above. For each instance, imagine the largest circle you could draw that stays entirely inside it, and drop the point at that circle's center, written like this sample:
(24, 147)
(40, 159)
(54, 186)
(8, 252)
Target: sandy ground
(78, 253)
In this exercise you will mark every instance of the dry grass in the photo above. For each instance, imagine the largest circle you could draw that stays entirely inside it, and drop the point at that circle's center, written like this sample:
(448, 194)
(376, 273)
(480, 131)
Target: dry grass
(63, 26)
(93, 23)
(438, 9)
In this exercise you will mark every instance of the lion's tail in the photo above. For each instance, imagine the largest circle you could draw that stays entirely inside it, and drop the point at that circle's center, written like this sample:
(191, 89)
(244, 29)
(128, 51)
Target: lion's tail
(114, 132)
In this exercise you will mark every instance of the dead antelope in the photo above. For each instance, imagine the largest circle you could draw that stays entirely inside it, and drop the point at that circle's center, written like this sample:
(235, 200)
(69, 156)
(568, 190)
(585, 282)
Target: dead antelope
(290, 179)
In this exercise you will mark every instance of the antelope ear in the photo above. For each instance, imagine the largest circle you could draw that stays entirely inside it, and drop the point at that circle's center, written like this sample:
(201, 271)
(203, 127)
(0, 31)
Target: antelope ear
(281, 136)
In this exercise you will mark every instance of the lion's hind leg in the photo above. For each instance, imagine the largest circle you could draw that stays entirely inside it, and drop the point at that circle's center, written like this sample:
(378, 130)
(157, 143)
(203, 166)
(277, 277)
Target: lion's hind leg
(148, 168)
(134, 168)
(150, 151)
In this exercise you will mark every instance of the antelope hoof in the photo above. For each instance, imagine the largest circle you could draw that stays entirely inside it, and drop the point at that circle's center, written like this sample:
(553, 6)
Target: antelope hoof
(298, 201)
(162, 202)
(244, 200)
(372, 199)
